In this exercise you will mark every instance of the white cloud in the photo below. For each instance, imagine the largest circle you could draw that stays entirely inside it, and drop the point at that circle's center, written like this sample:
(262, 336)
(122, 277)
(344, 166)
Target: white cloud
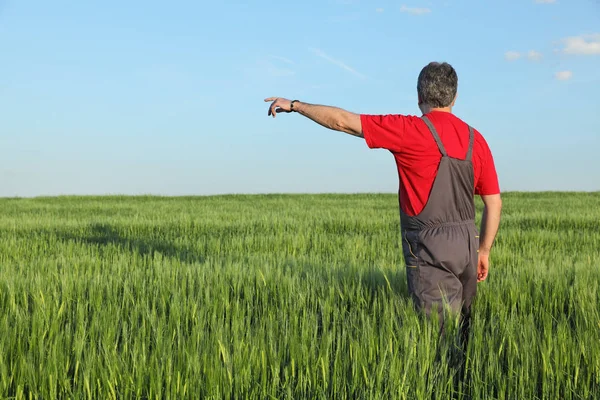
(563, 75)
(339, 63)
(582, 45)
(512, 55)
(534, 55)
(274, 70)
(279, 72)
(379, 10)
(276, 66)
(545, 1)
(415, 10)
(282, 59)
(531, 55)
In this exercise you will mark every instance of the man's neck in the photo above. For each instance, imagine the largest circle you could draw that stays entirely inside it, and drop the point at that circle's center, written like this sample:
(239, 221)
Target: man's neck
(426, 109)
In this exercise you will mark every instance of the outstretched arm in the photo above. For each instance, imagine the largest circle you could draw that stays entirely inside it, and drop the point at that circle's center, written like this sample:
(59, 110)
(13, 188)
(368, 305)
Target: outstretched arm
(333, 118)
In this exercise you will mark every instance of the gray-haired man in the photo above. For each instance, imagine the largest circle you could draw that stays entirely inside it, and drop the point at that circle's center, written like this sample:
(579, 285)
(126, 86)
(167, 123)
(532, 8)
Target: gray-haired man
(442, 164)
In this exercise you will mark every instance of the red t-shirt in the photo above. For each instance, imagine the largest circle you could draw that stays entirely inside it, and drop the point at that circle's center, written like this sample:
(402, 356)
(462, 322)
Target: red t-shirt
(417, 154)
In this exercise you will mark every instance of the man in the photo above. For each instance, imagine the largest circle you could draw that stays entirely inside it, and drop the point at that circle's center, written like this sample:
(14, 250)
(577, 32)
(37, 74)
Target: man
(442, 163)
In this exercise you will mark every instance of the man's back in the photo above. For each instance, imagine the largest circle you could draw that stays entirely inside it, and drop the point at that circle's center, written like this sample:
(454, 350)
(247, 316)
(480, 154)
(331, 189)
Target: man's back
(417, 155)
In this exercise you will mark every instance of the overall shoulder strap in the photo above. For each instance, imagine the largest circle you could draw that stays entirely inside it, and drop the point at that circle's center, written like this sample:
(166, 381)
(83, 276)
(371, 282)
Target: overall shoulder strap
(435, 136)
(469, 156)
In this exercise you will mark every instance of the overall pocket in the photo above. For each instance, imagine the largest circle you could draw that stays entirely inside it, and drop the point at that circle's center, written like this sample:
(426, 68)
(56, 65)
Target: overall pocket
(410, 249)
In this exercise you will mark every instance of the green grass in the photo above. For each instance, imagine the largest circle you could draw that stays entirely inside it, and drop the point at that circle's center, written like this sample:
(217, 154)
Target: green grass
(285, 297)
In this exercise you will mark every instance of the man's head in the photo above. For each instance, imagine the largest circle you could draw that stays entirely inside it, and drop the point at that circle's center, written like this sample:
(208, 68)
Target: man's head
(437, 86)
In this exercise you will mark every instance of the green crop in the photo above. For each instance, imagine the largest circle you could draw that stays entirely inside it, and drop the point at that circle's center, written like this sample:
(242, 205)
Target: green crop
(285, 297)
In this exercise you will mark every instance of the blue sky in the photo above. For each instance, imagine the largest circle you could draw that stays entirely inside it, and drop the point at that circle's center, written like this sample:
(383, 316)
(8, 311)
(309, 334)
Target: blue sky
(167, 97)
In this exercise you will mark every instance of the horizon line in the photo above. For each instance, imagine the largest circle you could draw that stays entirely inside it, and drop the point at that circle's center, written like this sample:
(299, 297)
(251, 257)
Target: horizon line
(174, 196)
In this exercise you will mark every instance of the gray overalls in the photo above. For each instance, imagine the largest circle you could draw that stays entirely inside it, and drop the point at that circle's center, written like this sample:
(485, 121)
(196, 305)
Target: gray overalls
(441, 243)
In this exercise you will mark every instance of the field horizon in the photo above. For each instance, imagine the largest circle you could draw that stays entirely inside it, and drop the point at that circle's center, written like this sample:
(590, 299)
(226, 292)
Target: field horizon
(183, 196)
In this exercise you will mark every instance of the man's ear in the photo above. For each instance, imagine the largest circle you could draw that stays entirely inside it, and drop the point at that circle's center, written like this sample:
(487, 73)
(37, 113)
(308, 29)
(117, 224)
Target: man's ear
(419, 99)
(454, 101)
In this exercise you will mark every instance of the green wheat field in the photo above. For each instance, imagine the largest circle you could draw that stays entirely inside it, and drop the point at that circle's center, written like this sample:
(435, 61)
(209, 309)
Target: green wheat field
(286, 297)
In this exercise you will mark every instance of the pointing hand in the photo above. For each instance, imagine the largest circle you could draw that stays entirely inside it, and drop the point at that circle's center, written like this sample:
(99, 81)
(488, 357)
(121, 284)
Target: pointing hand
(279, 104)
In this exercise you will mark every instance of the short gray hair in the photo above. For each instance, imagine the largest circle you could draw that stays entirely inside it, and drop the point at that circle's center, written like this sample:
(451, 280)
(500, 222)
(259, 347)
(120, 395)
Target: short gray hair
(437, 84)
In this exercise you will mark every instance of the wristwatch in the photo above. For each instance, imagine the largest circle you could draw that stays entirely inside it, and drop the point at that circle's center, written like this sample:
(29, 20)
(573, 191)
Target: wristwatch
(292, 105)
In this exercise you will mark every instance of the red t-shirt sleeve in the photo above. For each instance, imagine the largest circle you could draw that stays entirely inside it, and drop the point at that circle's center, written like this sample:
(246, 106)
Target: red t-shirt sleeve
(384, 131)
(487, 184)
